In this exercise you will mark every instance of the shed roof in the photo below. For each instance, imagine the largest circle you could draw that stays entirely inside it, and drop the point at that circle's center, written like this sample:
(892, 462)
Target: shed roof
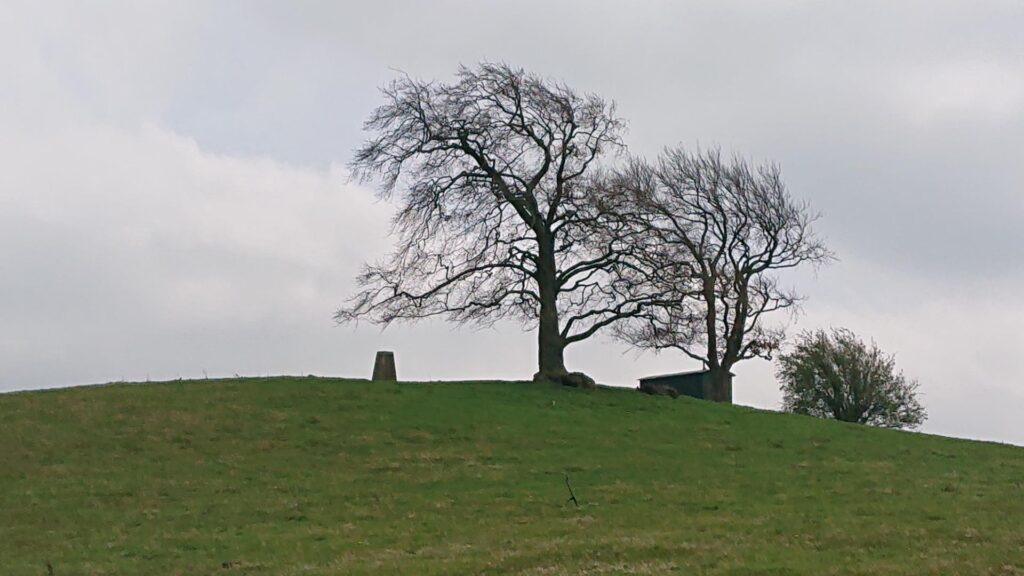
(674, 374)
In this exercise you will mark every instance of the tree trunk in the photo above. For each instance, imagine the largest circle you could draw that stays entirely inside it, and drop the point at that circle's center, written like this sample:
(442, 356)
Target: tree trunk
(721, 385)
(550, 348)
(550, 344)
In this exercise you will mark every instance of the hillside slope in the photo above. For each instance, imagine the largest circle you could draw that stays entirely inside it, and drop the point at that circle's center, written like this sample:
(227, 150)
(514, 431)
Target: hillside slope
(312, 476)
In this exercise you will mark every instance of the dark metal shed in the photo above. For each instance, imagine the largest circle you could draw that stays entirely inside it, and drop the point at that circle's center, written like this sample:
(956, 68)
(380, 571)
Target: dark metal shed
(696, 383)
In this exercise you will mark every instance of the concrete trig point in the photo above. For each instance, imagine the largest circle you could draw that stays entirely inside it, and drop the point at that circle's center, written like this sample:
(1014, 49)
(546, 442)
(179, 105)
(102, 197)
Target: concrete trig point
(384, 367)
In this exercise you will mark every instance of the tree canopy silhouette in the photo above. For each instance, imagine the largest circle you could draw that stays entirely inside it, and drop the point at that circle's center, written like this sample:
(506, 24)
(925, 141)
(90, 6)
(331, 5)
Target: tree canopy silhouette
(713, 233)
(498, 217)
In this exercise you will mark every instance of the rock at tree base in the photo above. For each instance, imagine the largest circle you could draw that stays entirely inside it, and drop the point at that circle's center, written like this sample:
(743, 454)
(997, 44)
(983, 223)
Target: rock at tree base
(659, 390)
(573, 379)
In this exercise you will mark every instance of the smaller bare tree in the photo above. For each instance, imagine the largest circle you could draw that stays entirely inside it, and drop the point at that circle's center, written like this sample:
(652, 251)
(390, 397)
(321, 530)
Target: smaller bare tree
(717, 232)
(839, 376)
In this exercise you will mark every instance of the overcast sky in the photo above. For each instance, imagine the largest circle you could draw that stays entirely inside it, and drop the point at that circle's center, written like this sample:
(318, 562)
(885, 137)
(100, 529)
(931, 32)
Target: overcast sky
(174, 199)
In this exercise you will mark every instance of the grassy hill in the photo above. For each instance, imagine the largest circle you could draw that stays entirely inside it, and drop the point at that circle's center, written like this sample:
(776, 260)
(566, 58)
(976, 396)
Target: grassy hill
(311, 476)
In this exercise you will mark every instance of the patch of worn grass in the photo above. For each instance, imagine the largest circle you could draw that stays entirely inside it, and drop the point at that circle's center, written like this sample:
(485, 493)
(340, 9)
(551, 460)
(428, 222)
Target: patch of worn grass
(312, 476)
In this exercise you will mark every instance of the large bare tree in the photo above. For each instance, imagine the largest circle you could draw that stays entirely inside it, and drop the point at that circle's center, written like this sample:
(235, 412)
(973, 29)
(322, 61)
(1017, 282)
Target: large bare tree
(715, 234)
(497, 217)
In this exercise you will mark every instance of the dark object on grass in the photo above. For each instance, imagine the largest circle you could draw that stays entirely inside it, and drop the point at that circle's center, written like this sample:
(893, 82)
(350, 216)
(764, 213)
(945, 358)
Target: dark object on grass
(659, 390)
(572, 495)
(697, 384)
(384, 367)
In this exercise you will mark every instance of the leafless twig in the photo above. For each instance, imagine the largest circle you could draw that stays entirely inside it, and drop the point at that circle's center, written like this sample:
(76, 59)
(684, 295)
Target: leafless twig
(572, 495)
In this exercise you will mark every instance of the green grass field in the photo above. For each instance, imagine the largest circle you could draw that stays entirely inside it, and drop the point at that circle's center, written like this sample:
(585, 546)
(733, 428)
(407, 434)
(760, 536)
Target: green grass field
(311, 476)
